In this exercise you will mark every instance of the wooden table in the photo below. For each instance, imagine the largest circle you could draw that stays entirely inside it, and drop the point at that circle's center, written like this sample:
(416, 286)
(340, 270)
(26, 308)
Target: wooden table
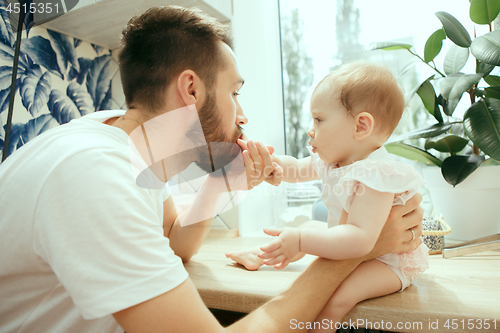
(455, 295)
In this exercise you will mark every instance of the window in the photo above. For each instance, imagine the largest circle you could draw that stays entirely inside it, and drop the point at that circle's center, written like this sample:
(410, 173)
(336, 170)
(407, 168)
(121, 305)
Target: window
(317, 36)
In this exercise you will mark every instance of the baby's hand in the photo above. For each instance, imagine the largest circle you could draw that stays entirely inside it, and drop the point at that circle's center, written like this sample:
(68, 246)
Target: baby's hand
(276, 174)
(283, 249)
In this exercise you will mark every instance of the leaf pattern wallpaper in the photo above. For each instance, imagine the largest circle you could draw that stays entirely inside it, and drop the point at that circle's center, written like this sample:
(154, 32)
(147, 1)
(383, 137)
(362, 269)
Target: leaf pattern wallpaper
(59, 78)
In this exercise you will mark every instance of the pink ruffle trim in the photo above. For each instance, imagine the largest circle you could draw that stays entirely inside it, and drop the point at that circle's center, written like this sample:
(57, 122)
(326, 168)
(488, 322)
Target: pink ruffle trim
(414, 262)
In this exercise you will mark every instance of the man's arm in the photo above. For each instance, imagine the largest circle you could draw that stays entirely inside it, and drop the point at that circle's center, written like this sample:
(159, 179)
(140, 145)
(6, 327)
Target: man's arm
(186, 238)
(182, 310)
(188, 230)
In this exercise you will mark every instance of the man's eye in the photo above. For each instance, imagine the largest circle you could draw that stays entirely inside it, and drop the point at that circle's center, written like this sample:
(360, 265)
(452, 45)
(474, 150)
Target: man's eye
(235, 94)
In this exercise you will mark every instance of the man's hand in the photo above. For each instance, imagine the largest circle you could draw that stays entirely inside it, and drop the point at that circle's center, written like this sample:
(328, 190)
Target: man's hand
(396, 236)
(259, 165)
(283, 249)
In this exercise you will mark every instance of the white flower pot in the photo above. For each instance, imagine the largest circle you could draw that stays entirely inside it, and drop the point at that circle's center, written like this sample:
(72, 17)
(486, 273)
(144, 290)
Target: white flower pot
(472, 208)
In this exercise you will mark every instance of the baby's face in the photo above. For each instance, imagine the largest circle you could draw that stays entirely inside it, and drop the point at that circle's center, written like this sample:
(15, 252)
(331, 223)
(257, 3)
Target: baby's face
(332, 132)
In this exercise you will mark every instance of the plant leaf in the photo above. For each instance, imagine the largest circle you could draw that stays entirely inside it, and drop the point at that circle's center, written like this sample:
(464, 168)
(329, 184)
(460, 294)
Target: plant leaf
(5, 96)
(486, 48)
(463, 84)
(6, 77)
(83, 71)
(42, 53)
(22, 133)
(492, 92)
(448, 106)
(6, 35)
(62, 107)
(388, 46)
(482, 126)
(2, 133)
(456, 169)
(35, 89)
(427, 94)
(64, 49)
(448, 144)
(412, 153)
(447, 84)
(433, 45)
(29, 18)
(492, 80)
(107, 102)
(455, 59)
(483, 68)
(76, 42)
(98, 49)
(490, 161)
(454, 29)
(99, 79)
(484, 11)
(429, 132)
(81, 98)
(453, 86)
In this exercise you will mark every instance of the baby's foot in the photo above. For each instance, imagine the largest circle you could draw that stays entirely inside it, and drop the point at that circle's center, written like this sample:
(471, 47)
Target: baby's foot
(248, 258)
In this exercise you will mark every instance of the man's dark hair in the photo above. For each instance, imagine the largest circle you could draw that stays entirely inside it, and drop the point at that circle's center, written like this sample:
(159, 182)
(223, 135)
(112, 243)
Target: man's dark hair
(163, 42)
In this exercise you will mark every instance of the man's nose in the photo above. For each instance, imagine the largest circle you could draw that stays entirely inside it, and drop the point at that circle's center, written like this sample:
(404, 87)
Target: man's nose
(241, 119)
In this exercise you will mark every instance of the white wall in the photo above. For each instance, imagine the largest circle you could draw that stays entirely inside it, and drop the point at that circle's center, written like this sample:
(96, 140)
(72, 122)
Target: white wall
(255, 26)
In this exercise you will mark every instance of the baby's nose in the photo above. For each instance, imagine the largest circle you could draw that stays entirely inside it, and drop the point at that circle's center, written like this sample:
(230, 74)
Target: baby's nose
(310, 133)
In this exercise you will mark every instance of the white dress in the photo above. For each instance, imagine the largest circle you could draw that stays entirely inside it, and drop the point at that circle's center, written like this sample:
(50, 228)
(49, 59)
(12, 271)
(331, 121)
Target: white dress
(381, 172)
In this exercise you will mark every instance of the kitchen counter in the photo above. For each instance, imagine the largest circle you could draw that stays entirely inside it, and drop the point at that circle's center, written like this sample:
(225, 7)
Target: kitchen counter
(459, 294)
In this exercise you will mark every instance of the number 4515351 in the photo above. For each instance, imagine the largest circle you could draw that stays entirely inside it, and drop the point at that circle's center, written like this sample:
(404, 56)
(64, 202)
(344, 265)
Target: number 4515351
(46, 8)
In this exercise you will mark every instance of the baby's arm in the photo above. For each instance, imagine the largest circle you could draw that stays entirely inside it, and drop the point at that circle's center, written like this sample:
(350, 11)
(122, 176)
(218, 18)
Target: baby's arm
(295, 170)
(368, 213)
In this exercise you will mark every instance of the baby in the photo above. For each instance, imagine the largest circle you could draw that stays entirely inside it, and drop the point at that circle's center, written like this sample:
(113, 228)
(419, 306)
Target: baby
(354, 109)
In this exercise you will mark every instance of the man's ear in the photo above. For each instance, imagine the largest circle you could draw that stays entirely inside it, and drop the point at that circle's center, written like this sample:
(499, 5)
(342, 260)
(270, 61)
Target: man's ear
(364, 125)
(191, 88)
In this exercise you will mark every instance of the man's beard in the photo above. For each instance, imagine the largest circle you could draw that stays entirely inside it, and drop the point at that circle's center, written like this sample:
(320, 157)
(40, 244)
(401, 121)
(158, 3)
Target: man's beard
(222, 148)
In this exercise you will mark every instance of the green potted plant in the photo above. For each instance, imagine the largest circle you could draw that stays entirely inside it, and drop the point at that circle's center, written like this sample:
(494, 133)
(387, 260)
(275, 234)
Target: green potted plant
(457, 147)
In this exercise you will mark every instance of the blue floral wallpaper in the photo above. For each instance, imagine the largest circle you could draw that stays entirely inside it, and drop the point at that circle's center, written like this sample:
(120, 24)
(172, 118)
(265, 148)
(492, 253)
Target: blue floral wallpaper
(59, 78)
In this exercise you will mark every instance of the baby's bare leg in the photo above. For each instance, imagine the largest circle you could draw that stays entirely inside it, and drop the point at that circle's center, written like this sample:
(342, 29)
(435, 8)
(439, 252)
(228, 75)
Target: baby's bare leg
(371, 279)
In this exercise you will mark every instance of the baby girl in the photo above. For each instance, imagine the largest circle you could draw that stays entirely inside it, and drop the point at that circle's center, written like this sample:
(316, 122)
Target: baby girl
(354, 110)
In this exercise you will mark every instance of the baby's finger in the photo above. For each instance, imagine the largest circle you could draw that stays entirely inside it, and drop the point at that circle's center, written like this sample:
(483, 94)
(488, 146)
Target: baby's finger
(254, 154)
(267, 166)
(277, 174)
(247, 160)
(273, 246)
(243, 144)
(283, 264)
(273, 231)
(270, 255)
(277, 260)
(270, 149)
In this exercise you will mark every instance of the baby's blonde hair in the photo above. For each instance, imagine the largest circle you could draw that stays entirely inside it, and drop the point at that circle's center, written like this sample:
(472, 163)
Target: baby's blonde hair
(372, 88)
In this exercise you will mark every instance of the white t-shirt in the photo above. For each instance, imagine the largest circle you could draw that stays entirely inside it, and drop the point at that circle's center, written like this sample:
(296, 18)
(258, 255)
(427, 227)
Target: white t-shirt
(79, 240)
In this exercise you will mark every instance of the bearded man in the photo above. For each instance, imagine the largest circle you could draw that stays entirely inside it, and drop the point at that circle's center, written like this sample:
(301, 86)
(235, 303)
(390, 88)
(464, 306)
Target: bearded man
(87, 247)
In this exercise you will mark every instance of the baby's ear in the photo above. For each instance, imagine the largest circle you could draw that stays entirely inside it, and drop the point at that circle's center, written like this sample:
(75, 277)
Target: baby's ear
(364, 125)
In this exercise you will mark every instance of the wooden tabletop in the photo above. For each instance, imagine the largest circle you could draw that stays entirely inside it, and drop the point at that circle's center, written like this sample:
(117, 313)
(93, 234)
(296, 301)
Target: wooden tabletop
(457, 295)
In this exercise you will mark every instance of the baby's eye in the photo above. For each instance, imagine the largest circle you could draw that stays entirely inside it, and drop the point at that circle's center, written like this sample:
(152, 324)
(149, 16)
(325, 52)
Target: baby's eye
(318, 120)
(235, 94)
